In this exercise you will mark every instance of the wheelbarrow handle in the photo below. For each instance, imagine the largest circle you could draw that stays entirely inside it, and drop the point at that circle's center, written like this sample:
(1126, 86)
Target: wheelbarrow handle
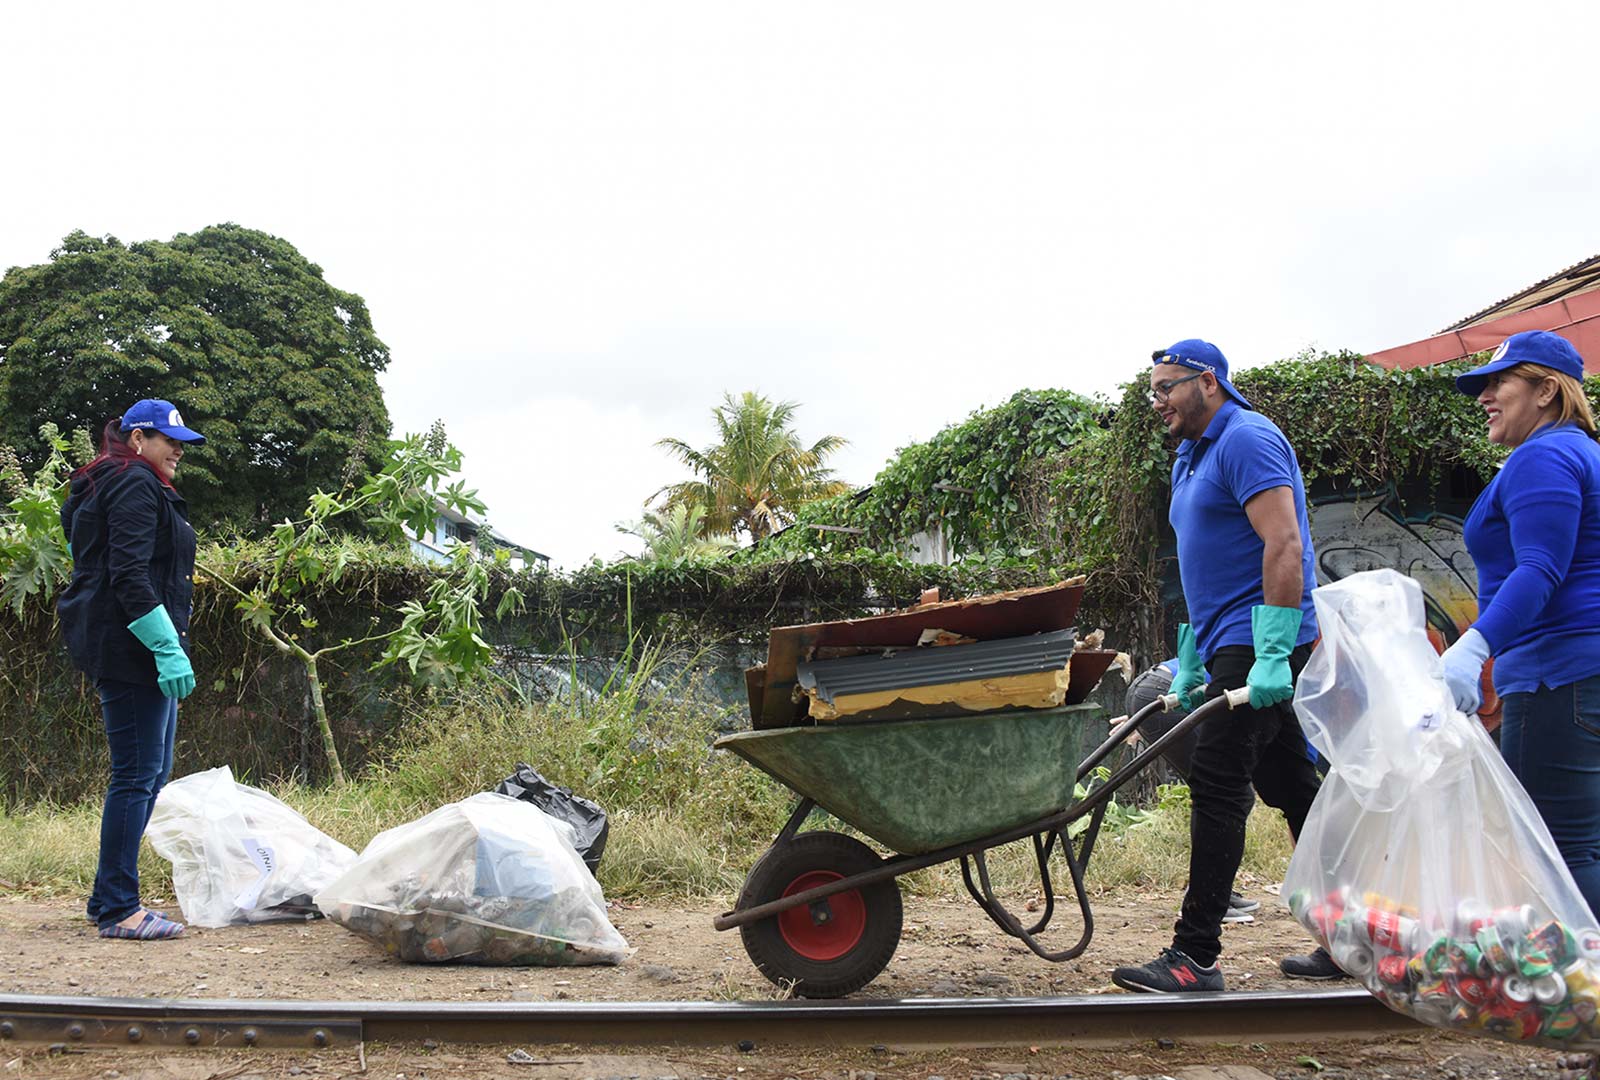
(1237, 697)
(1165, 703)
(1122, 727)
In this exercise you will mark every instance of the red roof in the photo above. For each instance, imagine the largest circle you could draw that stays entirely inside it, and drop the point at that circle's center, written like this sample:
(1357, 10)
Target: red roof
(1567, 303)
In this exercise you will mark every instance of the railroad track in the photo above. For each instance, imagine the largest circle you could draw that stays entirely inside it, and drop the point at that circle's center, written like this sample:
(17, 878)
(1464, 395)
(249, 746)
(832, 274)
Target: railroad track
(1266, 1016)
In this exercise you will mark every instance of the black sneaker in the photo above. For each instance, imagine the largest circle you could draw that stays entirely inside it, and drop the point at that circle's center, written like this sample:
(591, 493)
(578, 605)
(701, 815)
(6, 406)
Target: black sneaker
(1318, 965)
(1170, 973)
(1239, 909)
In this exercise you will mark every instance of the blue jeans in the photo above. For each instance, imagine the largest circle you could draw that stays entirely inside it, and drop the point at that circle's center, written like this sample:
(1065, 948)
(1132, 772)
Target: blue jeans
(141, 726)
(1551, 741)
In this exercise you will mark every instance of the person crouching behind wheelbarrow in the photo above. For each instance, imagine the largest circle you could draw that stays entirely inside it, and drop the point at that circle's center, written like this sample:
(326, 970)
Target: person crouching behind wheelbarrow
(1246, 563)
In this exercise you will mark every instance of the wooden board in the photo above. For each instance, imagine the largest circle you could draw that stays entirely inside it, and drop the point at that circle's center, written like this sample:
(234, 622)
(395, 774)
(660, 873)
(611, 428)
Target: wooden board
(984, 618)
(1088, 668)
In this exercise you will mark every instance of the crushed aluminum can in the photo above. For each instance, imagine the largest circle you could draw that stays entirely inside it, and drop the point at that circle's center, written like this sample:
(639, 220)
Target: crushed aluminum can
(1515, 988)
(1385, 929)
(1589, 945)
(1562, 1022)
(1466, 958)
(1535, 964)
(1393, 971)
(1555, 941)
(1431, 1003)
(1472, 990)
(1471, 915)
(1580, 981)
(1495, 951)
(1550, 989)
(1436, 958)
(1351, 950)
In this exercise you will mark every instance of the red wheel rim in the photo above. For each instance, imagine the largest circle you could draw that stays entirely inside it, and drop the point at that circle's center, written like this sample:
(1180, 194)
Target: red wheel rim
(829, 940)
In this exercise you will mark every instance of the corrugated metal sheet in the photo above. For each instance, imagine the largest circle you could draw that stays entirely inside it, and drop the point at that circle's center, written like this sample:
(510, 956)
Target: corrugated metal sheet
(1577, 278)
(1001, 615)
(831, 679)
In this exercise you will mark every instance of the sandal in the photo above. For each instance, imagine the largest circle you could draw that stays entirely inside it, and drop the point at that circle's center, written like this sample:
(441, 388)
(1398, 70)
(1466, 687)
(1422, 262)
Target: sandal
(152, 927)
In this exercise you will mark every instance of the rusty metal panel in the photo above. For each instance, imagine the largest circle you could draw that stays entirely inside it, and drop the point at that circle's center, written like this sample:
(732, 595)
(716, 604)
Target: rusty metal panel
(937, 666)
(1001, 615)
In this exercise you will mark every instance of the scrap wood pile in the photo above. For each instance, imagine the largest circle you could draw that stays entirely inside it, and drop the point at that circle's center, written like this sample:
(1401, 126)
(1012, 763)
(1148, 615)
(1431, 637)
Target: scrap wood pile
(1007, 651)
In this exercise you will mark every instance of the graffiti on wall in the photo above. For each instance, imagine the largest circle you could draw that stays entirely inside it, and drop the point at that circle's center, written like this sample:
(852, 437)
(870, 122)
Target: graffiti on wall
(1367, 531)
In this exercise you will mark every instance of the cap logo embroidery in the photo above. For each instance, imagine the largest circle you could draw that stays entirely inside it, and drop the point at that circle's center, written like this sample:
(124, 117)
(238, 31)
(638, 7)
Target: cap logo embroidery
(1501, 351)
(173, 419)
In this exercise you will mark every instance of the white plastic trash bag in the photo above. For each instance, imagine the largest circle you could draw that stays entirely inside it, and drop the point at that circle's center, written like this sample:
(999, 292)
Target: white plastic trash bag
(239, 855)
(1423, 867)
(488, 880)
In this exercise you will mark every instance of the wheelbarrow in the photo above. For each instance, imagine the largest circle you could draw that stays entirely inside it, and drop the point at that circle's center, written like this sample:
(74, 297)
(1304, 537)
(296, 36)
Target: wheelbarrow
(820, 912)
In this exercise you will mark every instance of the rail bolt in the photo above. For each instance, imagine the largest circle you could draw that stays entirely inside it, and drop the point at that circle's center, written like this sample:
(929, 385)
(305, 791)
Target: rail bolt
(7, 1029)
(135, 1033)
(75, 1031)
(319, 1037)
(250, 1035)
(191, 1036)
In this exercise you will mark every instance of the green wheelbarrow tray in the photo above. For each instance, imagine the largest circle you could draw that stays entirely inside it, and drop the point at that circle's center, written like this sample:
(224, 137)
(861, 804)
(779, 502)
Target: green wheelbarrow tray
(916, 786)
(820, 912)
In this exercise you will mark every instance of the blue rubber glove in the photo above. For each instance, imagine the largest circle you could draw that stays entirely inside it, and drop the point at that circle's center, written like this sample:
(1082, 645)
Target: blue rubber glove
(1190, 673)
(1273, 630)
(1463, 670)
(174, 673)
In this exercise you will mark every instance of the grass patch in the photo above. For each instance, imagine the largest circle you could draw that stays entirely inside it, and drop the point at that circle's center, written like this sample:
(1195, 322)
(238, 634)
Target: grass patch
(686, 821)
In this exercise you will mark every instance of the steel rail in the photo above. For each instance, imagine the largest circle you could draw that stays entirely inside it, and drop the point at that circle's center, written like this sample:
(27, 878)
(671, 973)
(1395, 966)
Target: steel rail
(1112, 1019)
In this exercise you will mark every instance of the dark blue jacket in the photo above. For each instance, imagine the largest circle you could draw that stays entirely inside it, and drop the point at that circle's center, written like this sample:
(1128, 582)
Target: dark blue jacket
(132, 549)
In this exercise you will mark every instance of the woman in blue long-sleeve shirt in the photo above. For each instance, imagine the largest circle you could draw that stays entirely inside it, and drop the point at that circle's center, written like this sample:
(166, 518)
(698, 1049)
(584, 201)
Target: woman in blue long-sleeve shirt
(1534, 535)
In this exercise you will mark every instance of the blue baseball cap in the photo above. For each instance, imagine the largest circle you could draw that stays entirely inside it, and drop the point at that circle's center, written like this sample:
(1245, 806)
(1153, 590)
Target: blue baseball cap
(1200, 356)
(1529, 347)
(153, 414)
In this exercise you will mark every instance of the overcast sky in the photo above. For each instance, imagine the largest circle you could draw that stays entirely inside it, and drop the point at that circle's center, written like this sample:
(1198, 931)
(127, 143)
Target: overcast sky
(577, 224)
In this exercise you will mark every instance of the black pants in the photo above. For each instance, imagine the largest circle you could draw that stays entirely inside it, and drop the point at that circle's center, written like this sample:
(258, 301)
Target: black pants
(1237, 754)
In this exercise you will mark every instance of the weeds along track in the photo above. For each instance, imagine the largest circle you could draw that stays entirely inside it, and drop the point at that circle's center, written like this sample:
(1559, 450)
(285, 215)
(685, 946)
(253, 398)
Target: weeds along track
(912, 1023)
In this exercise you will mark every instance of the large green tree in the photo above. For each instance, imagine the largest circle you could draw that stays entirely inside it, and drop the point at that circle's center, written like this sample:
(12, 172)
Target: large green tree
(758, 471)
(274, 365)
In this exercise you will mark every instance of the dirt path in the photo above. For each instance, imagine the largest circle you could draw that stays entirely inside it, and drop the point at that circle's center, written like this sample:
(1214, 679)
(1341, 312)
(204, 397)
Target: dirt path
(948, 949)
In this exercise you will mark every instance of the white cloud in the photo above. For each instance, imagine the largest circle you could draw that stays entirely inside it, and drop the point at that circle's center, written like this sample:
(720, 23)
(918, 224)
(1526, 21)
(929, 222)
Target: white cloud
(577, 225)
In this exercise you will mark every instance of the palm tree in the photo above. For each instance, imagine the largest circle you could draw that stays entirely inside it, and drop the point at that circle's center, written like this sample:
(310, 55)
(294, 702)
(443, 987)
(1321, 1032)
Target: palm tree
(754, 477)
(676, 533)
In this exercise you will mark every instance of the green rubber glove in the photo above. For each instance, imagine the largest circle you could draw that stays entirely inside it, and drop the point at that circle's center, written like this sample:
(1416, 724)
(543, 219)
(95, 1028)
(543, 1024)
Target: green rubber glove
(174, 673)
(1274, 630)
(1188, 677)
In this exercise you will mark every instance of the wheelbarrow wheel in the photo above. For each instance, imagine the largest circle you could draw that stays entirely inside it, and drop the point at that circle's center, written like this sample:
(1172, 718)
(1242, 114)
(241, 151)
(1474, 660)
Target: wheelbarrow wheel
(835, 946)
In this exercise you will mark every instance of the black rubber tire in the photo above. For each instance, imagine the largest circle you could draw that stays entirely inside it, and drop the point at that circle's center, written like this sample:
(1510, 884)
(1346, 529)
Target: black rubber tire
(879, 905)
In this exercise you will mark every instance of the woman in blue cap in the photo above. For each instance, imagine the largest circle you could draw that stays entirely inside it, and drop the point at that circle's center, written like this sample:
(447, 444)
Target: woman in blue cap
(1534, 535)
(125, 618)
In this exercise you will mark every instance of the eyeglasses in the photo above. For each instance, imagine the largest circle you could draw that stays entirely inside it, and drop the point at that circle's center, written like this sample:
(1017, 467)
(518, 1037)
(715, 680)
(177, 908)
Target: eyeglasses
(1159, 394)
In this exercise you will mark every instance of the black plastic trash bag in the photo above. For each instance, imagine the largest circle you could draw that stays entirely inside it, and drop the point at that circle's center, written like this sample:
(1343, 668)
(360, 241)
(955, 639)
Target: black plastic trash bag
(588, 821)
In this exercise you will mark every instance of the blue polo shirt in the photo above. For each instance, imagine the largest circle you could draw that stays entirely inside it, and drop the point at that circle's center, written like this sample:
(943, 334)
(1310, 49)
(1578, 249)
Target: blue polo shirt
(1534, 535)
(1241, 454)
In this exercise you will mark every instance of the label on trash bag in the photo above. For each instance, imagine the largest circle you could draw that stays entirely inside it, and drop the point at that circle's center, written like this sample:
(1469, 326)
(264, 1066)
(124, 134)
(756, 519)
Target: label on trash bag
(262, 855)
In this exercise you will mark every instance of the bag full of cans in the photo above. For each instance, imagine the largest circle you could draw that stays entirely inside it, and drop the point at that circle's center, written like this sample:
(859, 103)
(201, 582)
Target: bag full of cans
(488, 880)
(1423, 867)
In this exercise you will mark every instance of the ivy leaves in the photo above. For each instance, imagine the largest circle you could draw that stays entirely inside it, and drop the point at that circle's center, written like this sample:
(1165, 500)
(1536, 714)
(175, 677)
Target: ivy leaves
(34, 558)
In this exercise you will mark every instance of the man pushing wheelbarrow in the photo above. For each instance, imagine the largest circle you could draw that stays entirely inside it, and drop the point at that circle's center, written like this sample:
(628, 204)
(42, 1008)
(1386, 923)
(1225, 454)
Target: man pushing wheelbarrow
(1247, 566)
